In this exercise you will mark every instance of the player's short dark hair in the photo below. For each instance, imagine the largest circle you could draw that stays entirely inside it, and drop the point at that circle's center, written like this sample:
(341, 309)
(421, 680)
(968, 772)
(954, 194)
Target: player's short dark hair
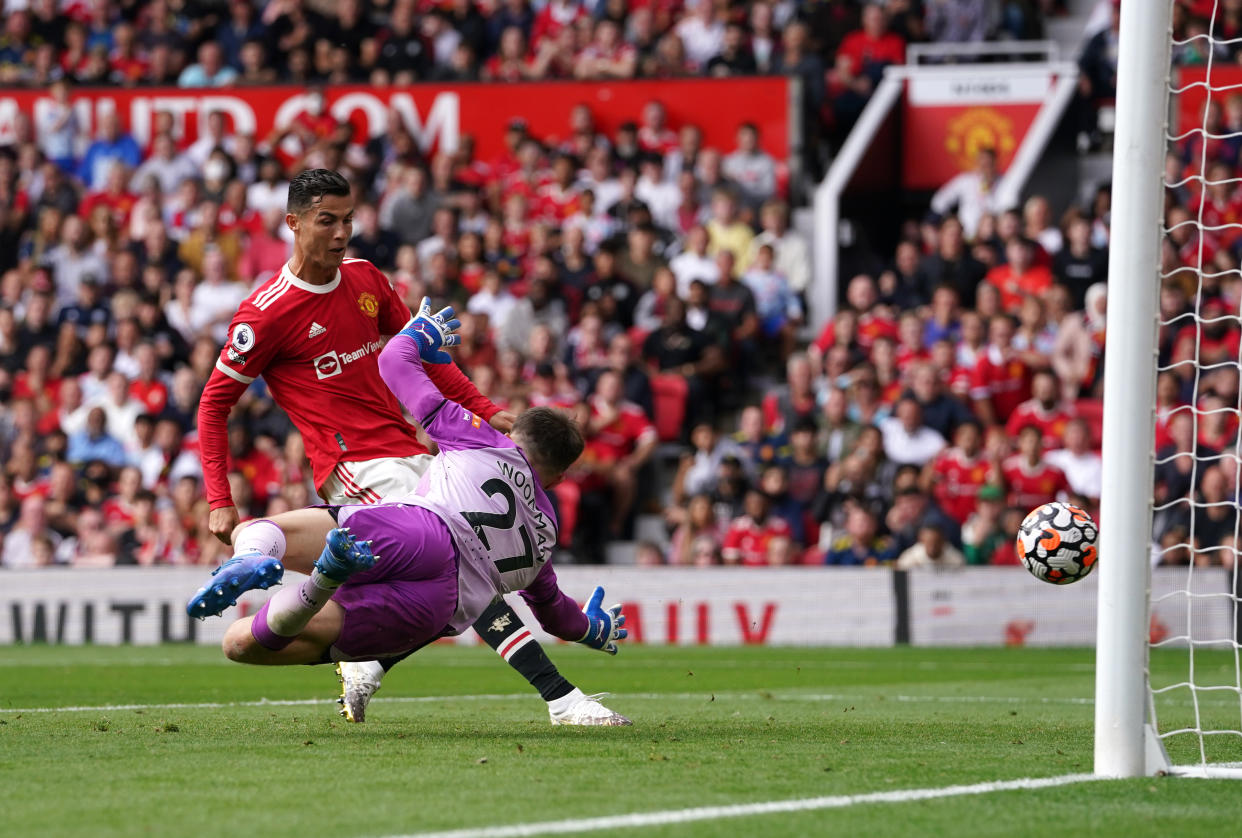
(550, 437)
(311, 185)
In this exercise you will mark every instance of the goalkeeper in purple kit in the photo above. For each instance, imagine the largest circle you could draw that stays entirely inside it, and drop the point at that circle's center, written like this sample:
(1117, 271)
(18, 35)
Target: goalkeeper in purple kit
(389, 578)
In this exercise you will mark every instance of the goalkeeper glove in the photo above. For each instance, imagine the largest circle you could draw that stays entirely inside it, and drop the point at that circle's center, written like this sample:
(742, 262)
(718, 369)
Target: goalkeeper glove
(433, 331)
(604, 625)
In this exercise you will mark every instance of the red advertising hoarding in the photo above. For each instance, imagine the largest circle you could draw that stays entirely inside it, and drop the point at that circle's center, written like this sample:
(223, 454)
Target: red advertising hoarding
(946, 120)
(439, 115)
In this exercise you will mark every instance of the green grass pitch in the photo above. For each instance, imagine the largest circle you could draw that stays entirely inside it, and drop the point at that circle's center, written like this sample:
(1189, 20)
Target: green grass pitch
(455, 740)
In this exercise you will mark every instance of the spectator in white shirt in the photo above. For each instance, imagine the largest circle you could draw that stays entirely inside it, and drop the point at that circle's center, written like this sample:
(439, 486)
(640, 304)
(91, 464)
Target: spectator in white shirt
(1037, 216)
(906, 439)
(122, 410)
(662, 197)
(58, 130)
(31, 527)
(931, 550)
(701, 34)
(214, 137)
(974, 193)
(793, 254)
(216, 298)
(167, 166)
(1083, 467)
(694, 263)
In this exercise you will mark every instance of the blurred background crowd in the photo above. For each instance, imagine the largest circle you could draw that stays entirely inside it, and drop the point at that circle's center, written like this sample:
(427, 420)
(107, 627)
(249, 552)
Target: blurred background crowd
(651, 284)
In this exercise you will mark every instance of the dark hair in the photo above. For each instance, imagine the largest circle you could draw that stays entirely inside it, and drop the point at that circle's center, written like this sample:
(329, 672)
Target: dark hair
(311, 185)
(551, 437)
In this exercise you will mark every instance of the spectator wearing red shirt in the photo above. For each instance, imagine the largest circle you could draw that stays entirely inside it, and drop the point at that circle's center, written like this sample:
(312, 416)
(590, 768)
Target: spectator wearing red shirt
(956, 475)
(147, 387)
(873, 47)
(620, 439)
(1030, 480)
(862, 297)
(1019, 277)
(750, 537)
(1002, 381)
(1043, 410)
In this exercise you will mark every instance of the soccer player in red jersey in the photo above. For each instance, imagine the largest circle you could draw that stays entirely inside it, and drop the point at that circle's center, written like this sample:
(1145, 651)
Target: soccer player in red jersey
(1031, 480)
(314, 332)
(1043, 410)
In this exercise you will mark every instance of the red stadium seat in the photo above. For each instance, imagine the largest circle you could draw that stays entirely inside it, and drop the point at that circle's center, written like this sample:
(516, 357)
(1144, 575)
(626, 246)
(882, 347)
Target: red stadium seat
(568, 495)
(670, 405)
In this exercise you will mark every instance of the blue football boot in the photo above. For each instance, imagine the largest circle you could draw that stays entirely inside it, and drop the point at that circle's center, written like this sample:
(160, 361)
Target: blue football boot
(232, 579)
(344, 555)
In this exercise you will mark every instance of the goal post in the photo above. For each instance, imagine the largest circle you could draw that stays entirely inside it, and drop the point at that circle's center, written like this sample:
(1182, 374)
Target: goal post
(1121, 689)
(1185, 698)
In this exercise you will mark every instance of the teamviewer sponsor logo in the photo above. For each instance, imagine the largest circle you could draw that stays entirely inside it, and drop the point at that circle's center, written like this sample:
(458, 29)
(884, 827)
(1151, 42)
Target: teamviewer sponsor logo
(327, 365)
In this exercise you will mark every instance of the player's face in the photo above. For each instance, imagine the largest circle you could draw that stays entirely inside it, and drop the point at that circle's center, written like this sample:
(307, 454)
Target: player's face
(323, 231)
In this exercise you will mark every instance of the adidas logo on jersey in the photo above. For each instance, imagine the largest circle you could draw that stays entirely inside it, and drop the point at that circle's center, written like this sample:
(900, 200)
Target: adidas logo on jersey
(315, 330)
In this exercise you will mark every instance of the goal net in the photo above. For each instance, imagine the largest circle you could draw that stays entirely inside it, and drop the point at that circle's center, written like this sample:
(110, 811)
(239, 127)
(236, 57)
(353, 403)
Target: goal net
(1169, 669)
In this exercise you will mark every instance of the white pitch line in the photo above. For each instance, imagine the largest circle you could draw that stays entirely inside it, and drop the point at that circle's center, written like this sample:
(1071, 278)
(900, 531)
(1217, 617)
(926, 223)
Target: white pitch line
(710, 813)
(428, 699)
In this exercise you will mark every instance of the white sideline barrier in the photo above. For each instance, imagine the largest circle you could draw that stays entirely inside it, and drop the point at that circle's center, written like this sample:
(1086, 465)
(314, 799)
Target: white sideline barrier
(982, 606)
(665, 606)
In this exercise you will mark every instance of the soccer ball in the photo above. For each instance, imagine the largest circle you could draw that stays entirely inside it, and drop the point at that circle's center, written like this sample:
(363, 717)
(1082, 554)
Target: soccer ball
(1056, 543)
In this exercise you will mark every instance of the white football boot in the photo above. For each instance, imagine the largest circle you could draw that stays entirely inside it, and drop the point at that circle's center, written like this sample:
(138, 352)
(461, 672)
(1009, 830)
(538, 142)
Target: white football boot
(359, 681)
(577, 708)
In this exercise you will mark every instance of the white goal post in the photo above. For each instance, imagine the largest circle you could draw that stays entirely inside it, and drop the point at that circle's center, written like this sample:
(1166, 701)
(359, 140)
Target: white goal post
(1129, 739)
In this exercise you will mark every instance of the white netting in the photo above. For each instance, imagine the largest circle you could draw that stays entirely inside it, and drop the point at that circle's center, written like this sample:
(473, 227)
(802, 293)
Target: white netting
(1196, 666)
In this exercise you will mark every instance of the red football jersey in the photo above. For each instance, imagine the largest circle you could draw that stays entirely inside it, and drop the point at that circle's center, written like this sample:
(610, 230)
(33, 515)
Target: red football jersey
(958, 480)
(1006, 381)
(1031, 486)
(317, 347)
(1051, 423)
(747, 542)
(618, 440)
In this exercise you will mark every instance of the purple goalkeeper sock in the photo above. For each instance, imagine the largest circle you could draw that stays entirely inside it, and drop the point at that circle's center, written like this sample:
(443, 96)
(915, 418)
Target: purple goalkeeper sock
(284, 616)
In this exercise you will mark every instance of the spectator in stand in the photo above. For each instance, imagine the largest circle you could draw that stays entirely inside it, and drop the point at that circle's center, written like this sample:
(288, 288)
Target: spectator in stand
(1043, 410)
(774, 483)
(694, 263)
(907, 440)
(735, 57)
(703, 35)
(1001, 381)
(210, 70)
(795, 400)
(957, 475)
(1030, 478)
(58, 130)
(112, 145)
(697, 541)
(751, 168)
(22, 547)
(931, 550)
(1078, 355)
(677, 348)
(984, 540)
(872, 47)
(699, 468)
(1079, 264)
(726, 230)
(95, 444)
(973, 193)
(779, 310)
(620, 440)
(749, 537)
(861, 543)
(958, 21)
(1082, 466)
(1019, 276)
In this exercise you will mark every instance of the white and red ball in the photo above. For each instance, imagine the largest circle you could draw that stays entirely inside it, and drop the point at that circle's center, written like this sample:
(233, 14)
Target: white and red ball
(1056, 543)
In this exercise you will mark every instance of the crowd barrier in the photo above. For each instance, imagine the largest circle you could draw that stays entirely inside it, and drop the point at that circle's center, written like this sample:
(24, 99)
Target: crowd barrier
(671, 606)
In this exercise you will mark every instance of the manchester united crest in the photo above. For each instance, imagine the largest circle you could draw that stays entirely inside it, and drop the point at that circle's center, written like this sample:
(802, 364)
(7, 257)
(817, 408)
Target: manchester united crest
(977, 128)
(368, 304)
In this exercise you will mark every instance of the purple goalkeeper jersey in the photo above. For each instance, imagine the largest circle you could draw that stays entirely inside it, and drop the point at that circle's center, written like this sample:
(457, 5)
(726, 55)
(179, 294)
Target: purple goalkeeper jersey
(483, 488)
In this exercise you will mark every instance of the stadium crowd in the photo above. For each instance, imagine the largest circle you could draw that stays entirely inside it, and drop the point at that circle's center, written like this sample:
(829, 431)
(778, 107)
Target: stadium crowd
(650, 284)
